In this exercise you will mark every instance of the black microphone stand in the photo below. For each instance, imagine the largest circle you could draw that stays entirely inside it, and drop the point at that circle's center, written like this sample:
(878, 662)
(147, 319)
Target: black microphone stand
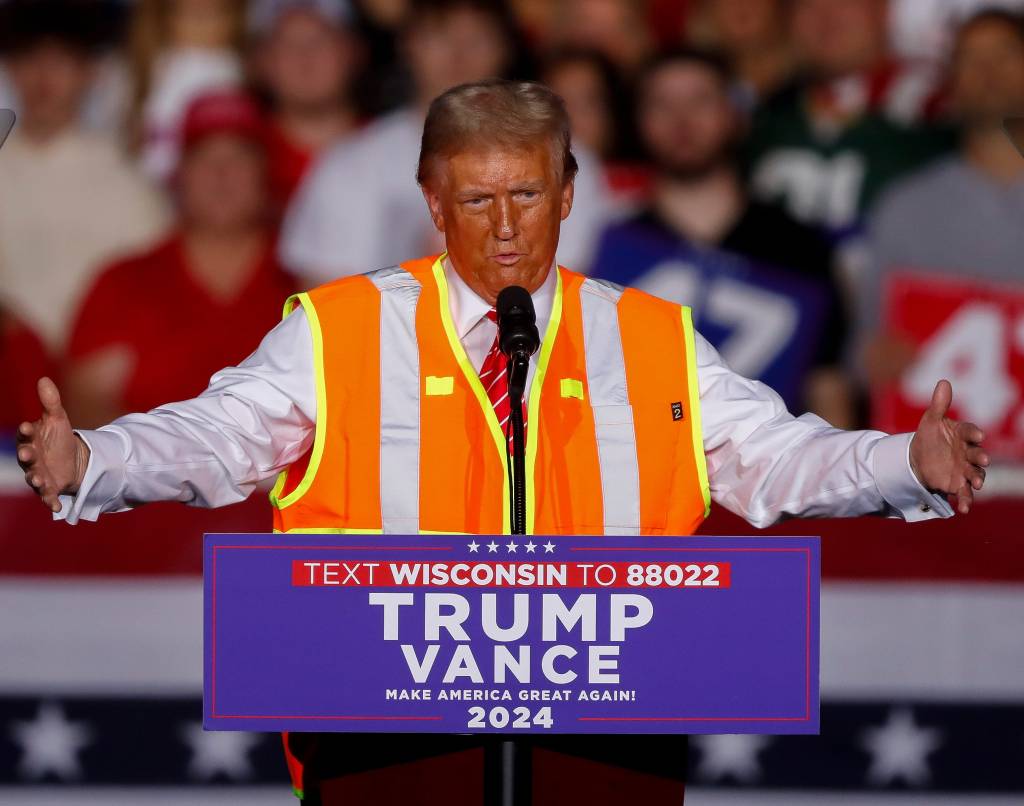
(507, 773)
(518, 367)
(515, 765)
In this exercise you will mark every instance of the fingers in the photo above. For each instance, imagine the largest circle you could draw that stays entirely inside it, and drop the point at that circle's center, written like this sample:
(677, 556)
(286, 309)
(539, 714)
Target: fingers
(26, 455)
(977, 456)
(942, 396)
(49, 396)
(970, 433)
(976, 477)
(44, 488)
(25, 432)
(964, 499)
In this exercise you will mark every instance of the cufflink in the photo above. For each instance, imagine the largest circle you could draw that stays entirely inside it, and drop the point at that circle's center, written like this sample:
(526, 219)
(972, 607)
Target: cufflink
(926, 507)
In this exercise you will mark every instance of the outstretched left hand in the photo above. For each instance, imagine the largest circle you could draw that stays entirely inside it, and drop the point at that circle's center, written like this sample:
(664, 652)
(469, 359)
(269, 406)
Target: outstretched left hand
(946, 455)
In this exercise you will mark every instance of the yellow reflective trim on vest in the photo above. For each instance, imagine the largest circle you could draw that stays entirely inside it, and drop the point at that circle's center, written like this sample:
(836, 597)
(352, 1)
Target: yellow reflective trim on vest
(440, 386)
(572, 387)
(321, 406)
(693, 395)
(471, 377)
(533, 407)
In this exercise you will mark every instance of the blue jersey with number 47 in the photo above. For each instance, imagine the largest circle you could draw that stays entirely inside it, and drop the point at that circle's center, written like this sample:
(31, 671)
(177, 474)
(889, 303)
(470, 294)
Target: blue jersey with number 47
(765, 321)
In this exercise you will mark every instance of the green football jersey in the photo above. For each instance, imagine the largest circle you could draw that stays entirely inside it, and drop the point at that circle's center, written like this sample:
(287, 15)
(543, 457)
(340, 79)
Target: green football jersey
(831, 178)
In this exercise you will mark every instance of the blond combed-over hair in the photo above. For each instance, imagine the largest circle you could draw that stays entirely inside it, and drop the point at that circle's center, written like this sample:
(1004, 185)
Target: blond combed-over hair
(496, 112)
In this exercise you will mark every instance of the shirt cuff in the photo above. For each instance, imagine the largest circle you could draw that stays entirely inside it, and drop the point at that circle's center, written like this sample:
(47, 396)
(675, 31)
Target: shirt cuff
(104, 479)
(900, 487)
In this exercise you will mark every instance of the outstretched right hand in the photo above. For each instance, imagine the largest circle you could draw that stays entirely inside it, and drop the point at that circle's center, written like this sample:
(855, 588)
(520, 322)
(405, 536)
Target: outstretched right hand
(53, 458)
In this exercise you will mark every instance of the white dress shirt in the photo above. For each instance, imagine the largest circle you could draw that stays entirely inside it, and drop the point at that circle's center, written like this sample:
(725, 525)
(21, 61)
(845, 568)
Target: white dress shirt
(255, 419)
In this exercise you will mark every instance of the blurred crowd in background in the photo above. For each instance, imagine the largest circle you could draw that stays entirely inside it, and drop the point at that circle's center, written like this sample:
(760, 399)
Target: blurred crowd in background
(827, 182)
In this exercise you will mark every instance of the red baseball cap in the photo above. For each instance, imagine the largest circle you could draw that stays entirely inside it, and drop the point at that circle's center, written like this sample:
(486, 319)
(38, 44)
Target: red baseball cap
(223, 111)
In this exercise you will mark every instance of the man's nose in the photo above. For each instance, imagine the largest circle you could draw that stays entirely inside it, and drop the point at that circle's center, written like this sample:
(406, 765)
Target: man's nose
(504, 220)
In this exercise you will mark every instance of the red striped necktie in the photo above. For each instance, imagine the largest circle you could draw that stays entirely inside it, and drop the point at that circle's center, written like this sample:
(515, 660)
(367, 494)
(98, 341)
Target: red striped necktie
(494, 377)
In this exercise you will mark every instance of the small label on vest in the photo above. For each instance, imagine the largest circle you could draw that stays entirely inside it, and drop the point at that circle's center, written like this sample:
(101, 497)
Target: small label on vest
(572, 387)
(440, 386)
(677, 411)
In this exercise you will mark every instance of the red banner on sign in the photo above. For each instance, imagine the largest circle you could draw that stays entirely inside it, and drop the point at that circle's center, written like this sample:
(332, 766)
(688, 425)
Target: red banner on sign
(510, 574)
(971, 333)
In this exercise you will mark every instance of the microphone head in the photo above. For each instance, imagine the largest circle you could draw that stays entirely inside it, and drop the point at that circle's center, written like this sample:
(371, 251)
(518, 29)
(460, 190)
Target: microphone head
(517, 321)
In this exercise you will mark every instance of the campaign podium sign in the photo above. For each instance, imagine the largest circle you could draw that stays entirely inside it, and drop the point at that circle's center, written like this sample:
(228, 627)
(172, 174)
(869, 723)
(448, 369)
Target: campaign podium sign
(511, 634)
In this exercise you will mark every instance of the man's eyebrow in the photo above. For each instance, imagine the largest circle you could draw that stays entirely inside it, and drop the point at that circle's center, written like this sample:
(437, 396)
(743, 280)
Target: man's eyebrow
(473, 193)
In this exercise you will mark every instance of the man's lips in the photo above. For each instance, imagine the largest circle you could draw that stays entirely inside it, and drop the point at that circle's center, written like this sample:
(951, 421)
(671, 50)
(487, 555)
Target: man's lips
(508, 259)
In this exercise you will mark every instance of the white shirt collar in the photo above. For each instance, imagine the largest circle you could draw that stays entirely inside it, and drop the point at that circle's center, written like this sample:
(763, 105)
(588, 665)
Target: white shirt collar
(468, 308)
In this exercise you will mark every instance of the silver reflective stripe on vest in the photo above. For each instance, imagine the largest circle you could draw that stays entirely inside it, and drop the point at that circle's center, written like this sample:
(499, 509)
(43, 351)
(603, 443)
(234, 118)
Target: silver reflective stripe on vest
(613, 415)
(399, 401)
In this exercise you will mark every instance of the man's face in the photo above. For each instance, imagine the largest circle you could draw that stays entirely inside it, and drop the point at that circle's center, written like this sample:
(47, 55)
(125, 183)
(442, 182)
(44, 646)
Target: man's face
(839, 37)
(500, 211)
(455, 47)
(686, 119)
(222, 183)
(51, 81)
(988, 74)
(306, 62)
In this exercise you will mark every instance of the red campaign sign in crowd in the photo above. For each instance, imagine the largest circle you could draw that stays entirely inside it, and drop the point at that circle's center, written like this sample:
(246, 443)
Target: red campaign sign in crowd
(969, 332)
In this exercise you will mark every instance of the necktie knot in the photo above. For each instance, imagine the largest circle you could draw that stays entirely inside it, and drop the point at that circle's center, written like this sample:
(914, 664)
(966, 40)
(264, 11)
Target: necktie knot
(492, 315)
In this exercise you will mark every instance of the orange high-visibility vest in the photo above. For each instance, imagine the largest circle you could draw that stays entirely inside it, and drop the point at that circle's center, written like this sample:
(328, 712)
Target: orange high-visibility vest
(407, 441)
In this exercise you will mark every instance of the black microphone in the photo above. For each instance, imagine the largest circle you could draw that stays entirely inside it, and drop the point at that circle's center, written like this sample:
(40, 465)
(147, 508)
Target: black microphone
(517, 322)
(517, 337)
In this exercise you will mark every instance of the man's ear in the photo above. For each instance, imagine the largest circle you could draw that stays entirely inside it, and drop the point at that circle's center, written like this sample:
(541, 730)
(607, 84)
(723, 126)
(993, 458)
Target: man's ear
(433, 200)
(567, 191)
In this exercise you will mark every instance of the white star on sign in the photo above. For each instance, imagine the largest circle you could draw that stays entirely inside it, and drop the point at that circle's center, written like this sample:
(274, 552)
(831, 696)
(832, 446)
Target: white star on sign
(549, 547)
(473, 546)
(50, 744)
(492, 547)
(530, 547)
(730, 754)
(221, 752)
(899, 749)
(511, 546)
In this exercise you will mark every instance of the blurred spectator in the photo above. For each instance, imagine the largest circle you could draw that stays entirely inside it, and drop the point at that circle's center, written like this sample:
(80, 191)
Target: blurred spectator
(964, 216)
(304, 59)
(157, 325)
(178, 49)
(753, 34)
(24, 360)
(589, 85)
(924, 29)
(759, 282)
(599, 114)
(105, 104)
(68, 199)
(360, 208)
(616, 28)
(826, 147)
(387, 14)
